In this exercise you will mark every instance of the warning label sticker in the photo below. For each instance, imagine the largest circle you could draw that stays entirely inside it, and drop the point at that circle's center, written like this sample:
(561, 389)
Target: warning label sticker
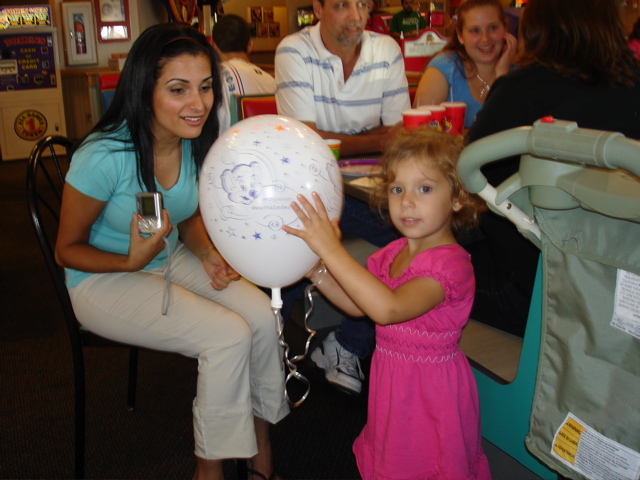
(592, 454)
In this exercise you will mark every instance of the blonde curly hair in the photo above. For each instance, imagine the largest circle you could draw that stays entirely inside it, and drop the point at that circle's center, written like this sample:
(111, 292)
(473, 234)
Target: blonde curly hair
(437, 149)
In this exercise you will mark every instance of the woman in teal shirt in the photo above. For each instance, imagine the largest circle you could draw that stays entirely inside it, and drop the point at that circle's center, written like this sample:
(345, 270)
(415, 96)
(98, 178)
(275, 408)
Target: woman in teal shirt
(154, 138)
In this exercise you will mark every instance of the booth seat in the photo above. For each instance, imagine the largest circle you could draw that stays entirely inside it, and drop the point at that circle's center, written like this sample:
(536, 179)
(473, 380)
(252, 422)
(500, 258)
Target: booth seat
(107, 83)
(417, 52)
(412, 92)
(245, 106)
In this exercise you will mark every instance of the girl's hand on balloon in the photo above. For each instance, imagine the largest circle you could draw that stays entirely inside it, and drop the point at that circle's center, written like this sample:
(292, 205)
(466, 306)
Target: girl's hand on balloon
(320, 233)
(219, 271)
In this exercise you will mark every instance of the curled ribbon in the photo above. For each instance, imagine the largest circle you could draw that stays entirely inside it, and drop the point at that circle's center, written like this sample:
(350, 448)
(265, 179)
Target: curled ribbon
(291, 362)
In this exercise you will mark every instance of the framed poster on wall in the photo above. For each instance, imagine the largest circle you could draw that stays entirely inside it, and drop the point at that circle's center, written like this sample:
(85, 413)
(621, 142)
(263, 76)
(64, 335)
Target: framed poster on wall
(182, 11)
(79, 33)
(274, 29)
(267, 14)
(112, 20)
(256, 14)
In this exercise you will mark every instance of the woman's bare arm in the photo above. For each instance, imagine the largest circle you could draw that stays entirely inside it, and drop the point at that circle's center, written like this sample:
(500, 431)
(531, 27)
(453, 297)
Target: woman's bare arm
(433, 88)
(195, 237)
(78, 213)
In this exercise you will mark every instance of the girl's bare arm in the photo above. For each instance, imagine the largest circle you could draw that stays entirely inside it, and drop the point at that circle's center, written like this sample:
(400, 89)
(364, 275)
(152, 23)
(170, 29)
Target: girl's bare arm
(380, 303)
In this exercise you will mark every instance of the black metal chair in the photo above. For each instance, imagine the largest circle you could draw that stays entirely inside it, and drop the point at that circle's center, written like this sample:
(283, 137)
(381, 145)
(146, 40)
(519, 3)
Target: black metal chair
(45, 181)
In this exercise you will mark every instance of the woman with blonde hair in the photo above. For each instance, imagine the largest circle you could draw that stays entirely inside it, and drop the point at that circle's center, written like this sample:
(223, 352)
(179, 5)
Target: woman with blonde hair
(171, 290)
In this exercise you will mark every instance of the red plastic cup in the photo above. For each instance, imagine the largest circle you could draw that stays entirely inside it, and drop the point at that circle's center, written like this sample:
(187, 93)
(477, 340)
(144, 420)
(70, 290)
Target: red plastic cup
(454, 117)
(415, 118)
(437, 116)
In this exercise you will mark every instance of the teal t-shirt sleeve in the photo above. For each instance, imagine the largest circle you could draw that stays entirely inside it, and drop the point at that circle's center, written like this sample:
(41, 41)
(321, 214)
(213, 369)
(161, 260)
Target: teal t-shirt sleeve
(93, 170)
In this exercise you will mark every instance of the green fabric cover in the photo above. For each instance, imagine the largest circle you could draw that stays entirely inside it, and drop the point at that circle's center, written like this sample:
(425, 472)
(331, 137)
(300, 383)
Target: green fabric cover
(586, 366)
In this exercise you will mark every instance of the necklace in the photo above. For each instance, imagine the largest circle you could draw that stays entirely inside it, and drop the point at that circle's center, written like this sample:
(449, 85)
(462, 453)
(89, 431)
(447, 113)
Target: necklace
(485, 86)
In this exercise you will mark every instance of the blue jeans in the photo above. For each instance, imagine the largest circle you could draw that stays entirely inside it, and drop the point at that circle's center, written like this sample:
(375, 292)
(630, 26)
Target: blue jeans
(360, 221)
(358, 335)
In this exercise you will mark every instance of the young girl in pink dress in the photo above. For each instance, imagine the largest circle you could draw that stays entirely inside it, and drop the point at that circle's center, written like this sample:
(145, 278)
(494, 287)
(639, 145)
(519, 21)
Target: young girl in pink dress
(423, 415)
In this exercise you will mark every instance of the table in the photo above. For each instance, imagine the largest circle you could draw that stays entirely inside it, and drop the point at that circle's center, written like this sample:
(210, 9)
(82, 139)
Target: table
(355, 191)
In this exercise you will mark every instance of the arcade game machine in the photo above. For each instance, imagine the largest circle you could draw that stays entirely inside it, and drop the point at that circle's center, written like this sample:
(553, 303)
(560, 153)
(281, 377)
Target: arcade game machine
(31, 105)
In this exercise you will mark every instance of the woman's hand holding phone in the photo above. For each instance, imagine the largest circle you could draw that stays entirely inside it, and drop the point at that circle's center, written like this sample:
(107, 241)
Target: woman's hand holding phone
(144, 248)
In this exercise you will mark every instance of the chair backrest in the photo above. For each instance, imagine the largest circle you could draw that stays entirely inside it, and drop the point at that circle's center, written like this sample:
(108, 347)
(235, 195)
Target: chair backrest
(413, 89)
(419, 51)
(46, 171)
(245, 106)
(107, 84)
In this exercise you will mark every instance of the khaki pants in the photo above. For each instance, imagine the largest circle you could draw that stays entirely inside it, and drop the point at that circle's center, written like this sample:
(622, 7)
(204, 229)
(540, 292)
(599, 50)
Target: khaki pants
(232, 333)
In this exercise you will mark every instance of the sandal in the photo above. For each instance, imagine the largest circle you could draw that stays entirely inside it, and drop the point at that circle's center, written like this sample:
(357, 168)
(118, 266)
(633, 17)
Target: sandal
(257, 474)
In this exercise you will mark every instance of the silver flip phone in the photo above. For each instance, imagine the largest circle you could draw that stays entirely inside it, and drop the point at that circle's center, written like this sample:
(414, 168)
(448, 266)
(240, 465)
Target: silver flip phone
(149, 206)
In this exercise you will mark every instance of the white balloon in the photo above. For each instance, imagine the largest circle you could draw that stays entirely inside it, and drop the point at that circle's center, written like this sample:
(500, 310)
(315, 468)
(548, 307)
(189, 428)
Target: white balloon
(249, 178)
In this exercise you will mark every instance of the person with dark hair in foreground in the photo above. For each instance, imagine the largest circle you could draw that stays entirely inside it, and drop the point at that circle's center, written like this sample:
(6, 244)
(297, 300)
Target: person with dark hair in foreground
(171, 290)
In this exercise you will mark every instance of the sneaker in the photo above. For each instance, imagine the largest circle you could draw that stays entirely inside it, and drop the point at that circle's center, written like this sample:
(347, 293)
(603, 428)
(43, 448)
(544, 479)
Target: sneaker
(341, 368)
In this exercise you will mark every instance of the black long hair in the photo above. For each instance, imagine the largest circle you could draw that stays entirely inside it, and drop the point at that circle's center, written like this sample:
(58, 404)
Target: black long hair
(132, 102)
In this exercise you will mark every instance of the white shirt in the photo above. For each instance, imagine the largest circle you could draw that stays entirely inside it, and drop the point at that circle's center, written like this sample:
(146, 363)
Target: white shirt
(311, 87)
(241, 78)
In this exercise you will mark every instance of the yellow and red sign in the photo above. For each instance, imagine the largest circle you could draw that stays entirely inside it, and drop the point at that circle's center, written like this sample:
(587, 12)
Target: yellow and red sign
(30, 125)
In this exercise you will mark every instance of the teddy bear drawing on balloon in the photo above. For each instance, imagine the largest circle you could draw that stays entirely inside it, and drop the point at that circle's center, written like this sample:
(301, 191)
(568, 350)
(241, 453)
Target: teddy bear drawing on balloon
(253, 190)
(242, 183)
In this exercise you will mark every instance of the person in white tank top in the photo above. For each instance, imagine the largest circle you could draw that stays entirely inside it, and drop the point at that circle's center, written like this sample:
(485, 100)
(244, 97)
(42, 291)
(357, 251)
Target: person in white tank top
(232, 41)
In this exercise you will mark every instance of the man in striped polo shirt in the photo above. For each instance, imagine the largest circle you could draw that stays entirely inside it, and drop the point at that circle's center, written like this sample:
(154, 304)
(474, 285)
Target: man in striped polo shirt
(343, 81)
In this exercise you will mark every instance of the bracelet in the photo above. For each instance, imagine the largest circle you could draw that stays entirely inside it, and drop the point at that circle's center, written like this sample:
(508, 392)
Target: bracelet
(205, 251)
(322, 269)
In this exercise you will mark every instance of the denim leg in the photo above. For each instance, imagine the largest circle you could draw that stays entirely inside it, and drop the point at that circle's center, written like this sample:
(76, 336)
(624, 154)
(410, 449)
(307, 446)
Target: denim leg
(357, 336)
(360, 221)
(289, 296)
